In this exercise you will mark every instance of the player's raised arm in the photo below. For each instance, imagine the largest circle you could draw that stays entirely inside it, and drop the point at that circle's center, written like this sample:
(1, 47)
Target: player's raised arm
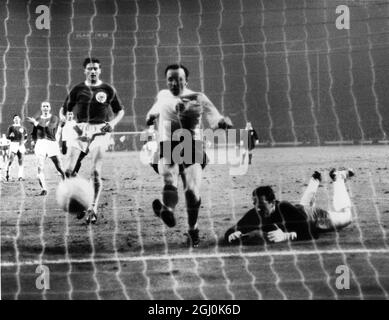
(32, 120)
(213, 116)
(153, 113)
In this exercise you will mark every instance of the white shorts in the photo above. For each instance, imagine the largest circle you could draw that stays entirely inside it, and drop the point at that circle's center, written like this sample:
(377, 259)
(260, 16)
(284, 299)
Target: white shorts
(89, 131)
(44, 147)
(16, 147)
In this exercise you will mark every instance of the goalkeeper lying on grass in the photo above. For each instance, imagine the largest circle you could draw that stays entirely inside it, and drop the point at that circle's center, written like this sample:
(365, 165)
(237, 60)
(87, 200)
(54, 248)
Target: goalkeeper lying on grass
(277, 221)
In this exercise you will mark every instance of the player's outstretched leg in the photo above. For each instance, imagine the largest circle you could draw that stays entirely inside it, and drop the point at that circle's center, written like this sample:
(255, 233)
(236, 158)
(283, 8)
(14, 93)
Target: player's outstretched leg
(9, 164)
(165, 209)
(78, 163)
(57, 165)
(342, 215)
(74, 154)
(41, 176)
(192, 181)
(308, 198)
(97, 160)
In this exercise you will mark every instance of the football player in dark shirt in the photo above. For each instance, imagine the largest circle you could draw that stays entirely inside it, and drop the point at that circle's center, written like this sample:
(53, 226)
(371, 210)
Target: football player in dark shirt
(90, 102)
(45, 142)
(17, 134)
(277, 221)
(249, 144)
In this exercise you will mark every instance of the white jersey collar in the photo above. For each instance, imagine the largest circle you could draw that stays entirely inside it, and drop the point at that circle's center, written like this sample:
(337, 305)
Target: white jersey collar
(98, 83)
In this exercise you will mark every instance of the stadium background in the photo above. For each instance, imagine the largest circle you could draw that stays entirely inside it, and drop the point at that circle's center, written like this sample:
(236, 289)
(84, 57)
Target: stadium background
(282, 64)
(257, 60)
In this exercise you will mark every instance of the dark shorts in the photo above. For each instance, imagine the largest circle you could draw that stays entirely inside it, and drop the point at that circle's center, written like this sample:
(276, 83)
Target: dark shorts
(175, 152)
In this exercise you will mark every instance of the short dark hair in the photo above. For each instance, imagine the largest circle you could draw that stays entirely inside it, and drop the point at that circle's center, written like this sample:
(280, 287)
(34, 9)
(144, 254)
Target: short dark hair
(265, 191)
(90, 60)
(177, 66)
(15, 115)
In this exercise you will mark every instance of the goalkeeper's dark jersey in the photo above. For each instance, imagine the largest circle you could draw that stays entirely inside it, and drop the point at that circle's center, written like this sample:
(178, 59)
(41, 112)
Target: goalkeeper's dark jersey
(288, 217)
(92, 103)
(46, 128)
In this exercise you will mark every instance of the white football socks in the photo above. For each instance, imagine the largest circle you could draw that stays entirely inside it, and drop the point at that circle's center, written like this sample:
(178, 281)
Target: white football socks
(21, 172)
(341, 198)
(308, 198)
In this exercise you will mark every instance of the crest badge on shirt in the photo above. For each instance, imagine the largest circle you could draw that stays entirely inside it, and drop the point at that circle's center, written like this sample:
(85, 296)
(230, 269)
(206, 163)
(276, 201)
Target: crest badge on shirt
(101, 97)
(21, 130)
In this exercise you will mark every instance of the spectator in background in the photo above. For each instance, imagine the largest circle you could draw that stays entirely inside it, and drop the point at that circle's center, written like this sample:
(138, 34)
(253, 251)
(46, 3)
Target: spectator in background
(249, 143)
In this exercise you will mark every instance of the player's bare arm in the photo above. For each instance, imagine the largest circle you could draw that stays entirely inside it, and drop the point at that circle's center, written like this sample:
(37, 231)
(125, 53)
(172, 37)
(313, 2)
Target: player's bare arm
(32, 120)
(214, 117)
(116, 119)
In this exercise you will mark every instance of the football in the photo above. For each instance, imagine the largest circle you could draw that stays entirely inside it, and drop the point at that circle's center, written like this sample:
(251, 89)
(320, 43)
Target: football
(75, 195)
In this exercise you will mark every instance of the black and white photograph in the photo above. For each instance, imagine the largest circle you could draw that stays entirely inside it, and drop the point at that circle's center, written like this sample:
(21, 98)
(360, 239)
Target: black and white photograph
(194, 150)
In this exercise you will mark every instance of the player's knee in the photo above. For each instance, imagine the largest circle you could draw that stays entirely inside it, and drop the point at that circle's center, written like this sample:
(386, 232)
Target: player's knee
(192, 198)
(96, 175)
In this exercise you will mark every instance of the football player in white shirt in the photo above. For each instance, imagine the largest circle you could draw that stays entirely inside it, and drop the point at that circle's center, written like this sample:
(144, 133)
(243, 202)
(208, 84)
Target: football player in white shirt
(179, 110)
(67, 131)
(4, 147)
(17, 134)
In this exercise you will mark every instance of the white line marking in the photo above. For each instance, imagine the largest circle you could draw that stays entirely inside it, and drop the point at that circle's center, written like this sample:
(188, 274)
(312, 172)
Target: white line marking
(217, 255)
